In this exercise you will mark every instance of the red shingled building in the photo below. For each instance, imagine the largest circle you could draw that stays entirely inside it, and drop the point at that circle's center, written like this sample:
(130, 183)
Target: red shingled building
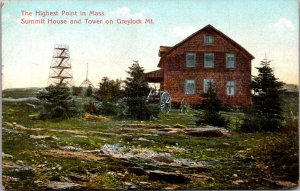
(207, 56)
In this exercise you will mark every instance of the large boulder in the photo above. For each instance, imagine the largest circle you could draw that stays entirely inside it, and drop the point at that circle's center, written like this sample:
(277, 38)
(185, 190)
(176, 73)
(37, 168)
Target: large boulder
(170, 177)
(207, 132)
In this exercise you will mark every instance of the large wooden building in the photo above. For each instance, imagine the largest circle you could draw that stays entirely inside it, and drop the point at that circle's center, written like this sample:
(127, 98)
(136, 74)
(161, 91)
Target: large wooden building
(207, 56)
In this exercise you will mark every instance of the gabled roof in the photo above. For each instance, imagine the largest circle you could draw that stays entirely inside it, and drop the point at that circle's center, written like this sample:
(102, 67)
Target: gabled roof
(171, 49)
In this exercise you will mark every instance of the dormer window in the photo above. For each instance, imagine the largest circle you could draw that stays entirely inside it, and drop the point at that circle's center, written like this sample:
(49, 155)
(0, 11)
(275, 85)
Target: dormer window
(208, 39)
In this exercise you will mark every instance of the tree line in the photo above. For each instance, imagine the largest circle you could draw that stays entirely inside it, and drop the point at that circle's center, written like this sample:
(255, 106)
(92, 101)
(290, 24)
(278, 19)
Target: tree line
(111, 98)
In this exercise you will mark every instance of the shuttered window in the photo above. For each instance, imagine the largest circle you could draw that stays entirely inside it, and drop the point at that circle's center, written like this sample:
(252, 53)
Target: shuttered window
(230, 88)
(190, 60)
(189, 87)
(230, 61)
(206, 84)
(209, 60)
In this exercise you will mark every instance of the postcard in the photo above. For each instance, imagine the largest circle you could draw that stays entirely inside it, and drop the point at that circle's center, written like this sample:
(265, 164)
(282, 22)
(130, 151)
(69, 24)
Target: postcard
(150, 95)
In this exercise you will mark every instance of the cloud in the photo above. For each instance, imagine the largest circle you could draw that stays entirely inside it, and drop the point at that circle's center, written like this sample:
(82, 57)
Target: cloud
(125, 12)
(181, 32)
(283, 23)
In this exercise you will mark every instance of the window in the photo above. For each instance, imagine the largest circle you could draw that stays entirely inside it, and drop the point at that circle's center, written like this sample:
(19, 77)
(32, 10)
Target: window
(230, 88)
(208, 39)
(190, 60)
(207, 83)
(189, 87)
(230, 61)
(208, 60)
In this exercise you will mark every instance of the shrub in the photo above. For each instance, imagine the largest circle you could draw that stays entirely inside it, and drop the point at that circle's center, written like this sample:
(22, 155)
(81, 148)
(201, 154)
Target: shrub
(108, 108)
(214, 119)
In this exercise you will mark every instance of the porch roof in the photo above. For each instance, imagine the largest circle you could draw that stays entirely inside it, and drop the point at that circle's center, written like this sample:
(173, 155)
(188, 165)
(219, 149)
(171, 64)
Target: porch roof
(155, 76)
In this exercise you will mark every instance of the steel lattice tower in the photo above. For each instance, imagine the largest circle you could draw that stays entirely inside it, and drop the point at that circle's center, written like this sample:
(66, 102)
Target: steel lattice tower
(60, 70)
(86, 83)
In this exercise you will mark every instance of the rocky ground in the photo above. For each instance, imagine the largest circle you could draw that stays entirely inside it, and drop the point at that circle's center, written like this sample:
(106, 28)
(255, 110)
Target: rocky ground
(96, 152)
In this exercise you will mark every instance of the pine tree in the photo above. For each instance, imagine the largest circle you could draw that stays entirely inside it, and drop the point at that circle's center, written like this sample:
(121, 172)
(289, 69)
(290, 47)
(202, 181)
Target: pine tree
(109, 89)
(56, 102)
(267, 90)
(266, 111)
(89, 91)
(212, 106)
(136, 90)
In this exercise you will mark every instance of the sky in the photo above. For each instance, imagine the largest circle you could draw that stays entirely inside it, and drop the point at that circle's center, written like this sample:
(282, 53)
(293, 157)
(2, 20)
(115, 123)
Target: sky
(263, 27)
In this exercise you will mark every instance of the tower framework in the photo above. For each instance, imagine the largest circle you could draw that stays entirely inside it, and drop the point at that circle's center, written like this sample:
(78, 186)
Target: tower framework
(60, 73)
(86, 83)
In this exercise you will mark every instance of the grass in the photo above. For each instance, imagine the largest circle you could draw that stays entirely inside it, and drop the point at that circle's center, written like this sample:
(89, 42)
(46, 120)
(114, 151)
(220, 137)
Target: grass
(232, 161)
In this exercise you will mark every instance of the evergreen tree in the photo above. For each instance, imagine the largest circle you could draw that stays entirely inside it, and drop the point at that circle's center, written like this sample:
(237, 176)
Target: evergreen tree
(89, 91)
(267, 89)
(109, 89)
(136, 90)
(266, 111)
(212, 106)
(77, 91)
(56, 102)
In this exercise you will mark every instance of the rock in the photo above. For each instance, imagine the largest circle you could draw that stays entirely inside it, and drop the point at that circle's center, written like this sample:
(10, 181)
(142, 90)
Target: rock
(62, 185)
(71, 148)
(137, 170)
(237, 182)
(31, 105)
(146, 126)
(132, 187)
(20, 127)
(8, 125)
(143, 139)
(144, 183)
(18, 168)
(201, 176)
(10, 179)
(98, 118)
(42, 137)
(179, 126)
(175, 149)
(170, 177)
(129, 185)
(6, 155)
(34, 116)
(80, 136)
(77, 132)
(80, 178)
(163, 157)
(286, 184)
(10, 165)
(72, 154)
(207, 132)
